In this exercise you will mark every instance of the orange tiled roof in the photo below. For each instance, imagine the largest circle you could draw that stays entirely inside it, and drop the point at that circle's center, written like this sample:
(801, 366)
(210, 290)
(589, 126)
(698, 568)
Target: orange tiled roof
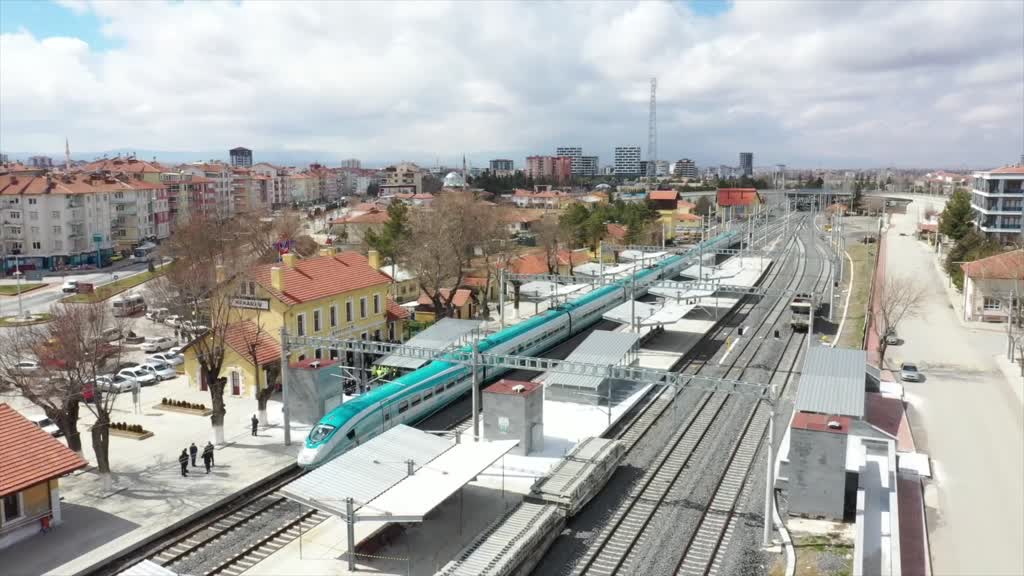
(662, 195)
(1008, 170)
(685, 204)
(462, 295)
(374, 216)
(240, 335)
(686, 217)
(396, 312)
(12, 184)
(617, 231)
(1005, 266)
(737, 196)
(28, 455)
(128, 165)
(573, 257)
(320, 277)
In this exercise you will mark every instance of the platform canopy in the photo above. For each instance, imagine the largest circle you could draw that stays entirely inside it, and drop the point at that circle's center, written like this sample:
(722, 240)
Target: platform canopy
(601, 347)
(644, 257)
(542, 290)
(376, 475)
(624, 313)
(679, 293)
(593, 269)
(439, 336)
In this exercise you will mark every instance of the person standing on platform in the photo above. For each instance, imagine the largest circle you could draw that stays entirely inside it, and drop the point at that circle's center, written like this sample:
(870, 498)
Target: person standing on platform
(208, 457)
(193, 451)
(183, 460)
(255, 424)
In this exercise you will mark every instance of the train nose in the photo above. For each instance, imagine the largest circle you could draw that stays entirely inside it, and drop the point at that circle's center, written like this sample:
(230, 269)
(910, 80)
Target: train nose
(307, 456)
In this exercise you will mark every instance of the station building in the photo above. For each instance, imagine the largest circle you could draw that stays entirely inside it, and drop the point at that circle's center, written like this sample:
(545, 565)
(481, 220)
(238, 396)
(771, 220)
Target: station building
(30, 486)
(333, 294)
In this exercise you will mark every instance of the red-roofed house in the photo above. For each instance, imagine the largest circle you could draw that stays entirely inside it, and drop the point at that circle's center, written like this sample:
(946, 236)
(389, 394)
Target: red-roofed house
(463, 305)
(616, 233)
(664, 199)
(31, 464)
(352, 229)
(738, 202)
(333, 294)
(536, 262)
(991, 285)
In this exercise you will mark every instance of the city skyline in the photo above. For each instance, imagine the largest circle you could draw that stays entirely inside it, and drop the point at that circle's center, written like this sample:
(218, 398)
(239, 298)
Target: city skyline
(917, 93)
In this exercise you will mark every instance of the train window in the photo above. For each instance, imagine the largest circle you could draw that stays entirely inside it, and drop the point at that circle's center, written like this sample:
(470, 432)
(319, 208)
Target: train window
(387, 415)
(439, 390)
(450, 385)
(428, 395)
(416, 401)
(351, 434)
(320, 433)
(403, 406)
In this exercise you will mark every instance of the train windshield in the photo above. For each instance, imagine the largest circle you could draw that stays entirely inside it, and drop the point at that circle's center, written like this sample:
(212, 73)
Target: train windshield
(320, 433)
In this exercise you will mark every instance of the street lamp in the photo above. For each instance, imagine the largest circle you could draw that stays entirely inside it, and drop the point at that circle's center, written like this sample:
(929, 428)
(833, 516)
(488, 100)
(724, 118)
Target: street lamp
(18, 274)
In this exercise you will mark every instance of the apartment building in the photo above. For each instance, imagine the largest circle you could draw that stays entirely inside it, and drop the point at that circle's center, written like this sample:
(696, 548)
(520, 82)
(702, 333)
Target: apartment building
(140, 214)
(684, 168)
(627, 161)
(47, 221)
(575, 154)
(275, 181)
(355, 181)
(746, 164)
(404, 178)
(588, 165)
(997, 197)
(557, 168)
(351, 163)
(240, 157)
(219, 175)
(502, 167)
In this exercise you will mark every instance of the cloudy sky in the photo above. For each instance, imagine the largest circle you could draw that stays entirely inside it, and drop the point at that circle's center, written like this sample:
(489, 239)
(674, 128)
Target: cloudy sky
(802, 83)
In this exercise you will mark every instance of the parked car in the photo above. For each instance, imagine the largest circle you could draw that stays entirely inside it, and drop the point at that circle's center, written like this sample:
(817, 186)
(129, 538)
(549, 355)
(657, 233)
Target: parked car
(115, 383)
(167, 358)
(27, 366)
(46, 424)
(140, 375)
(892, 339)
(910, 373)
(193, 327)
(111, 334)
(157, 344)
(173, 320)
(161, 370)
(156, 314)
(69, 287)
(176, 350)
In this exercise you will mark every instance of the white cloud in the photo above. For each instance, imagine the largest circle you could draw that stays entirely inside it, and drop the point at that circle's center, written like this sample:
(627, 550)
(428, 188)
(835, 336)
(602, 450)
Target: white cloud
(798, 82)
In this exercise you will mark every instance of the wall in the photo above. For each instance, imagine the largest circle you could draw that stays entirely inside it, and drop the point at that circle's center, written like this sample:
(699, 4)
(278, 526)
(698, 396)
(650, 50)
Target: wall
(35, 501)
(524, 412)
(817, 473)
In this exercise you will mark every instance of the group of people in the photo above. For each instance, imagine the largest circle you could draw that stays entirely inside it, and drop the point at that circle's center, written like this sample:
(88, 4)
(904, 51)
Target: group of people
(191, 452)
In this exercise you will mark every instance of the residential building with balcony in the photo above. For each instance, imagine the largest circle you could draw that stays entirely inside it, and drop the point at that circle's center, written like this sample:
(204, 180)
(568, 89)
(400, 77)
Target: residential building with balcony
(502, 167)
(140, 214)
(997, 197)
(47, 222)
(240, 157)
(558, 168)
(627, 161)
(575, 154)
(404, 178)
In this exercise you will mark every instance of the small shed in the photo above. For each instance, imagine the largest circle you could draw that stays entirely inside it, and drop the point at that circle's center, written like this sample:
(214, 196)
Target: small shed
(514, 410)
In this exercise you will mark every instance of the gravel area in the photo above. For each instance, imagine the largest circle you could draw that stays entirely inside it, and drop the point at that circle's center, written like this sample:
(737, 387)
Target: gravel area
(218, 551)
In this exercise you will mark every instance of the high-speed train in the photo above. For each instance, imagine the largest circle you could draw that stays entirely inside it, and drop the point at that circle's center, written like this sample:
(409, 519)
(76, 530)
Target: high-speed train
(420, 393)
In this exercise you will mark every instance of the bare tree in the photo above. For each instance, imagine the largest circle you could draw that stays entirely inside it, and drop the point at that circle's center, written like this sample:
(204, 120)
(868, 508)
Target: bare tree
(495, 249)
(45, 386)
(440, 245)
(549, 238)
(207, 256)
(252, 340)
(901, 298)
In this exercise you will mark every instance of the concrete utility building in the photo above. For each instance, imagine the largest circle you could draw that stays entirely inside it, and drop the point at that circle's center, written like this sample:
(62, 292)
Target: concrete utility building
(514, 410)
(29, 486)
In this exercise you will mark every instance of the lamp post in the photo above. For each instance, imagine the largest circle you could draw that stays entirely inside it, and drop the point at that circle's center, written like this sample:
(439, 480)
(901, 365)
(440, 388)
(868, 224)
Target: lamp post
(18, 274)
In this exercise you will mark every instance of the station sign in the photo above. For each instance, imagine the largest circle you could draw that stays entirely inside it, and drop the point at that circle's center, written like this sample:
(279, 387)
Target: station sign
(251, 303)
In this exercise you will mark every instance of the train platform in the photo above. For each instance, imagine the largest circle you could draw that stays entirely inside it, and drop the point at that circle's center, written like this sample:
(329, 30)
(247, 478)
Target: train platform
(147, 493)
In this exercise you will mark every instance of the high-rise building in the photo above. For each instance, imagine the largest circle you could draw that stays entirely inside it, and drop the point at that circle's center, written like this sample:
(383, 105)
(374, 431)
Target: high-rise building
(502, 167)
(40, 162)
(996, 199)
(588, 166)
(746, 163)
(685, 168)
(241, 157)
(351, 163)
(575, 153)
(661, 167)
(549, 167)
(627, 161)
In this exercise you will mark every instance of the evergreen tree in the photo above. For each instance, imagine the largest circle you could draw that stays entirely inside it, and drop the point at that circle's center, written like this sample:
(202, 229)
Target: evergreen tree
(958, 217)
(392, 235)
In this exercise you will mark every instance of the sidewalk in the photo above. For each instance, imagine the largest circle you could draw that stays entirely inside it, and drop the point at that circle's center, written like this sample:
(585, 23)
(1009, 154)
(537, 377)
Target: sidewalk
(148, 492)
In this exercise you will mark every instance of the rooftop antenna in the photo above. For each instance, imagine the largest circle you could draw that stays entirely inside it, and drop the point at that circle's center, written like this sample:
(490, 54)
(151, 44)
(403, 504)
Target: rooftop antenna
(652, 130)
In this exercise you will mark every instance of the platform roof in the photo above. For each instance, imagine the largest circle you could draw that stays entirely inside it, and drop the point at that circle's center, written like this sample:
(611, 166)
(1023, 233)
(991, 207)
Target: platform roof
(678, 294)
(635, 255)
(669, 313)
(623, 312)
(602, 348)
(442, 334)
(542, 290)
(594, 269)
(376, 475)
(832, 381)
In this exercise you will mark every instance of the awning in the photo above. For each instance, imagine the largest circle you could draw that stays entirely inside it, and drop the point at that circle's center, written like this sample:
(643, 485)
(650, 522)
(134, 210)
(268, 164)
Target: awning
(542, 290)
(439, 336)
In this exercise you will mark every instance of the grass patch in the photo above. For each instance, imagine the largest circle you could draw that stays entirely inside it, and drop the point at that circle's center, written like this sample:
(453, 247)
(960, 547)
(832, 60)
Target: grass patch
(863, 256)
(12, 289)
(112, 289)
(818, 555)
(5, 322)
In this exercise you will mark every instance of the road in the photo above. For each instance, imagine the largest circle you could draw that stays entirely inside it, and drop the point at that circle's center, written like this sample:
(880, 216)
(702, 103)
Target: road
(41, 299)
(966, 417)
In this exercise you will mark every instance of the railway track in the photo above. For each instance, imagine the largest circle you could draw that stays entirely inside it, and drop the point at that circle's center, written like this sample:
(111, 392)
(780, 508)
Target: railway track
(614, 550)
(705, 550)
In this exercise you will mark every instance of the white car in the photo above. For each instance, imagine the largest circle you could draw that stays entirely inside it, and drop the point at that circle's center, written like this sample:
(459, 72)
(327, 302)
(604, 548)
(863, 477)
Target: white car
(156, 314)
(193, 327)
(138, 374)
(27, 366)
(167, 358)
(910, 373)
(69, 287)
(116, 383)
(46, 424)
(175, 350)
(161, 370)
(173, 320)
(157, 344)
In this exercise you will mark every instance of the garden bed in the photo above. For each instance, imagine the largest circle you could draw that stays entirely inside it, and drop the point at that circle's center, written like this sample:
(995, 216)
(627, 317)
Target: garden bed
(203, 411)
(131, 434)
